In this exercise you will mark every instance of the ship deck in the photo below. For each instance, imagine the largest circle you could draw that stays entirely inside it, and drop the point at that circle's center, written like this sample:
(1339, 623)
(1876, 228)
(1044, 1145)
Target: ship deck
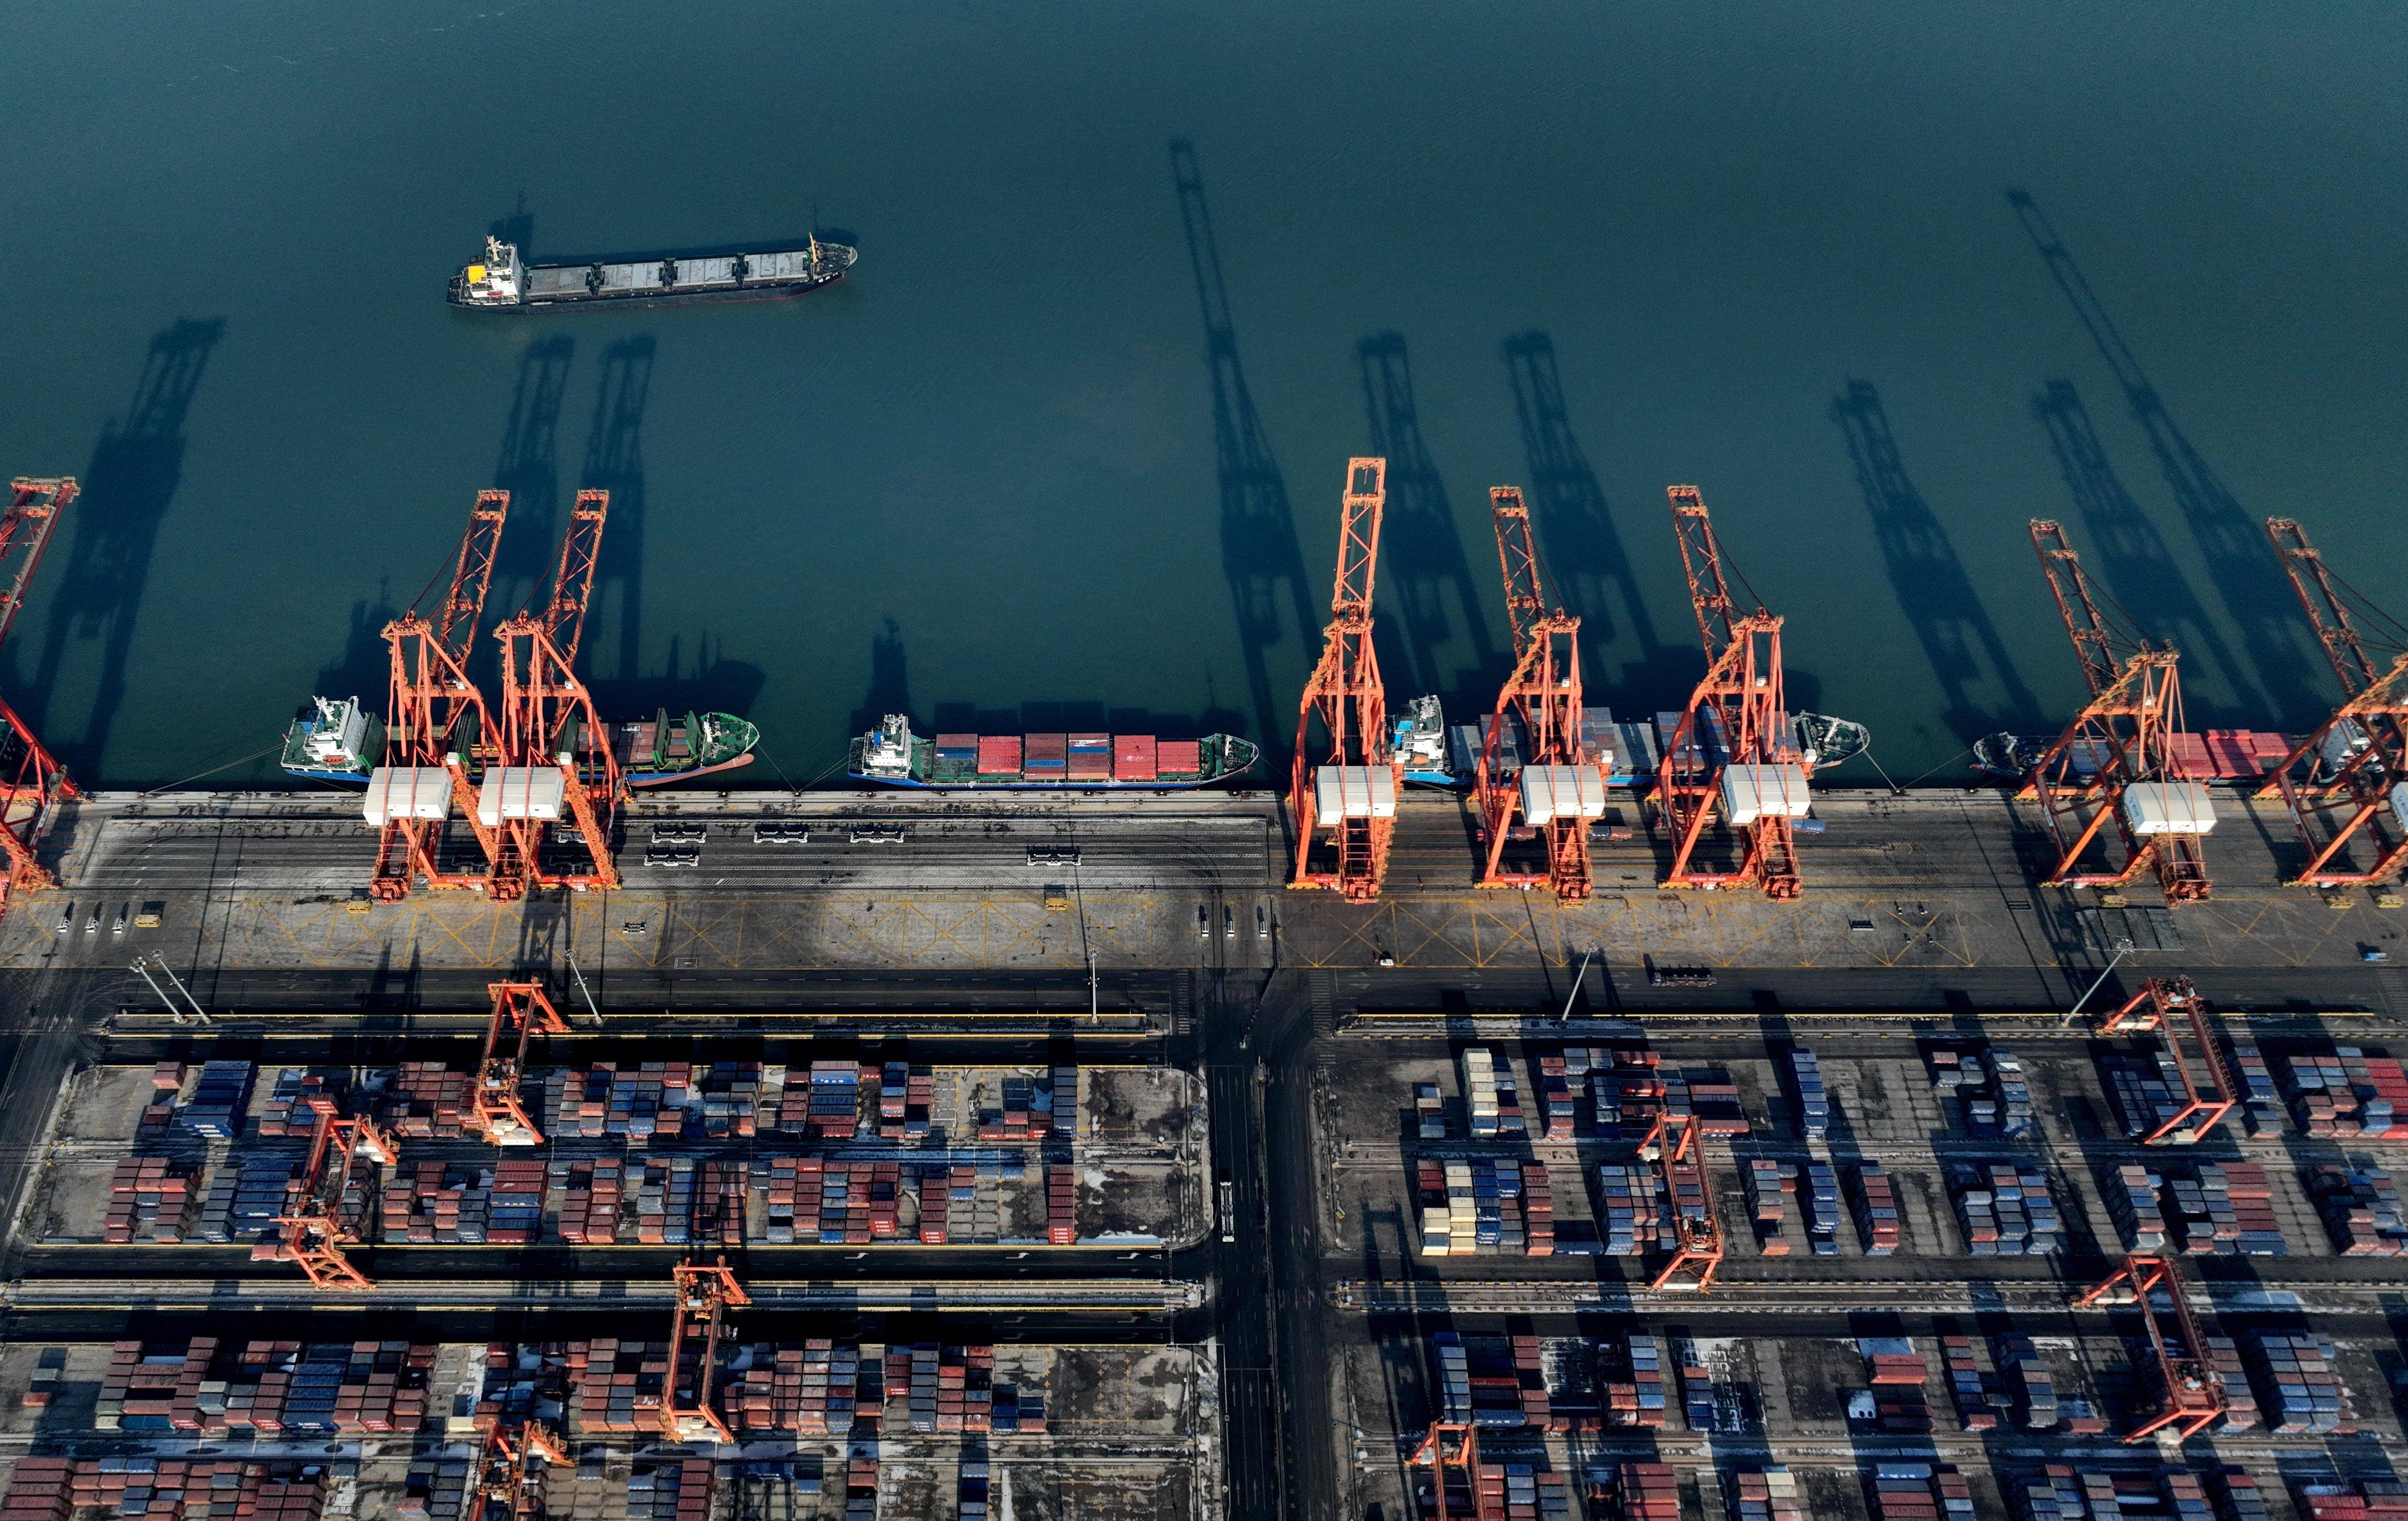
(642, 277)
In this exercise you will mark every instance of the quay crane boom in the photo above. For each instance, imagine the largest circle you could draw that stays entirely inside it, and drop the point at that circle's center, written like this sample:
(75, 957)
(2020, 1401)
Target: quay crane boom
(437, 721)
(1733, 751)
(314, 1233)
(35, 781)
(557, 763)
(2194, 1397)
(1553, 787)
(2117, 761)
(1353, 794)
(2353, 771)
(705, 1292)
(522, 1010)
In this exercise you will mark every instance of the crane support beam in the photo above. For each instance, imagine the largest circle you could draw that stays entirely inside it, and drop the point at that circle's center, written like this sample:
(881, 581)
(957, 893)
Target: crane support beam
(557, 763)
(2116, 767)
(522, 1010)
(1352, 795)
(2192, 1392)
(509, 1476)
(1732, 757)
(1676, 1146)
(32, 782)
(572, 580)
(1553, 789)
(2173, 1008)
(2347, 785)
(705, 1292)
(320, 1223)
(1451, 1452)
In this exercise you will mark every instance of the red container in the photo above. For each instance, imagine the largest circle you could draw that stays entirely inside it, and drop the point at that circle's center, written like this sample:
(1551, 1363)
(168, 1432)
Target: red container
(1046, 749)
(999, 754)
(1134, 757)
(1178, 757)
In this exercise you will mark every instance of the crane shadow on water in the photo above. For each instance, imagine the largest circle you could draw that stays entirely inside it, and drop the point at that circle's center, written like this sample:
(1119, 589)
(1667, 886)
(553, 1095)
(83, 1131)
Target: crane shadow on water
(1574, 523)
(2132, 554)
(128, 486)
(2241, 563)
(1428, 567)
(1259, 551)
(529, 469)
(1977, 674)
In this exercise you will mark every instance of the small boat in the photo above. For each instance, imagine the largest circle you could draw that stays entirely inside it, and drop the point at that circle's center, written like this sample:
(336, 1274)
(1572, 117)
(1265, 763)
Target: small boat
(2010, 756)
(1826, 741)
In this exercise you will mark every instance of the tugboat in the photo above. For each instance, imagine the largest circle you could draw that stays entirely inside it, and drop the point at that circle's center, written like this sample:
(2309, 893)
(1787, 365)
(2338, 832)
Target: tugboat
(1826, 741)
(2009, 758)
(501, 281)
(892, 753)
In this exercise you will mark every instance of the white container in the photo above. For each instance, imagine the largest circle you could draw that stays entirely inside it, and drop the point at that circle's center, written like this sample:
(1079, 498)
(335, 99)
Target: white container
(2399, 804)
(1553, 792)
(1754, 792)
(2168, 807)
(406, 792)
(521, 792)
(1354, 791)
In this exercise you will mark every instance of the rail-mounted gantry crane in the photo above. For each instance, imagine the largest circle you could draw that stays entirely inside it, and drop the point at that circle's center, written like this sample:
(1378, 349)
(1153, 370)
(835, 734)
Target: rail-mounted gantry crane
(434, 725)
(1352, 795)
(1452, 1449)
(522, 1012)
(2192, 1392)
(1554, 788)
(705, 1292)
(2347, 785)
(557, 763)
(509, 1472)
(2117, 762)
(318, 1225)
(1733, 753)
(1676, 1146)
(35, 783)
(2173, 1008)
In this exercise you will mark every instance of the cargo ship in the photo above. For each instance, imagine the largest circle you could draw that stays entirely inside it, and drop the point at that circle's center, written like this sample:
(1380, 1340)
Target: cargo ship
(341, 741)
(502, 282)
(1436, 754)
(2217, 756)
(892, 753)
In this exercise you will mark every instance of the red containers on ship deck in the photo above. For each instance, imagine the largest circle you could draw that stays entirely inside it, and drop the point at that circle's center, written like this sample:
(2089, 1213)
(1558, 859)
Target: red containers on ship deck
(1133, 757)
(1046, 757)
(999, 754)
(1178, 757)
(1091, 757)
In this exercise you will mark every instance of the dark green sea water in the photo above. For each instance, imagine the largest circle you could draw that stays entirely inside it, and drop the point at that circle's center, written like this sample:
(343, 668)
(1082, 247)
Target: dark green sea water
(1069, 448)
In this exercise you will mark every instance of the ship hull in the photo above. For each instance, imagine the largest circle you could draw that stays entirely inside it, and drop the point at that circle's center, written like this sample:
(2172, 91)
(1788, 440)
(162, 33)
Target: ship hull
(1132, 766)
(637, 303)
(633, 779)
(1085, 784)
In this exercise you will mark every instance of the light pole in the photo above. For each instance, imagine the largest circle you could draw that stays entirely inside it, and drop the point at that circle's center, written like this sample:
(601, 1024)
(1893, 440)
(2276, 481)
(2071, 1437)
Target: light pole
(1578, 978)
(2122, 949)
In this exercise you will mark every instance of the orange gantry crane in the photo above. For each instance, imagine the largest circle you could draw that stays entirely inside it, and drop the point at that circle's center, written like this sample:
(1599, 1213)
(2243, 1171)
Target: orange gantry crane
(433, 724)
(2117, 763)
(2352, 772)
(2192, 1392)
(705, 1292)
(2171, 1008)
(1452, 1449)
(1353, 794)
(522, 1012)
(35, 782)
(318, 1225)
(557, 763)
(509, 1480)
(1676, 1146)
(1733, 752)
(1555, 787)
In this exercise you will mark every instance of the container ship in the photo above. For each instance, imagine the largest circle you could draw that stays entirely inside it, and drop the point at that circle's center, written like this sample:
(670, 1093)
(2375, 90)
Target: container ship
(341, 741)
(502, 283)
(1436, 754)
(892, 753)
